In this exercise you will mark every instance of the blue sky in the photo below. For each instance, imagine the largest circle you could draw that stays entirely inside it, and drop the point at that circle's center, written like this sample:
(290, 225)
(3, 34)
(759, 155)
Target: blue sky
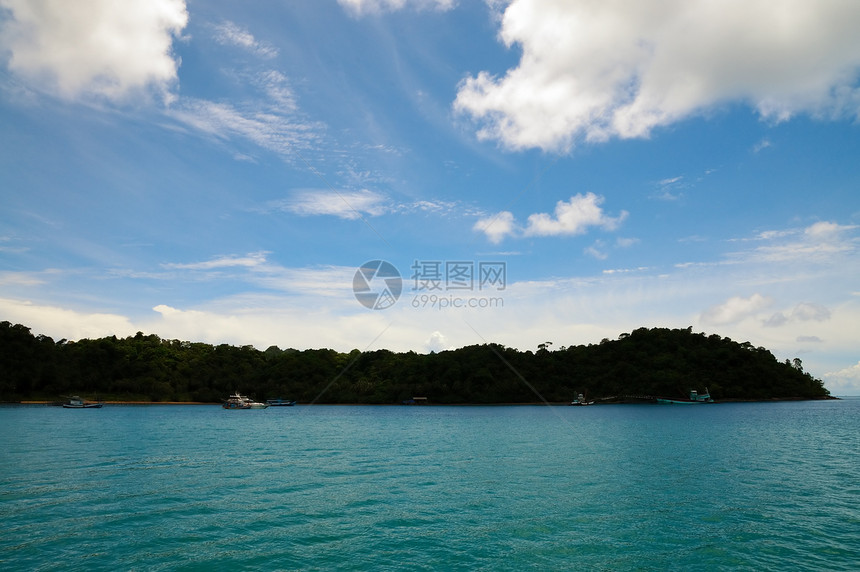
(217, 171)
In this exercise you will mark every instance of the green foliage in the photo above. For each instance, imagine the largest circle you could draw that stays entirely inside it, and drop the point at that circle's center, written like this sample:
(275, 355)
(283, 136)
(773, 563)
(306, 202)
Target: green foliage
(645, 362)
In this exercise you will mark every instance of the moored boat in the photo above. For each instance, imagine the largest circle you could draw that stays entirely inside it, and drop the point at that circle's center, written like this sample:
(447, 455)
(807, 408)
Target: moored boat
(580, 401)
(238, 401)
(695, 397)
(76, 402)
(280, 402)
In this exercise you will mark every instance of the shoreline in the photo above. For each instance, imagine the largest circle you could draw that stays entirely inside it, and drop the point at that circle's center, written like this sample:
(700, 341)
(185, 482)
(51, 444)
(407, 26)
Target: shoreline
(563, 403)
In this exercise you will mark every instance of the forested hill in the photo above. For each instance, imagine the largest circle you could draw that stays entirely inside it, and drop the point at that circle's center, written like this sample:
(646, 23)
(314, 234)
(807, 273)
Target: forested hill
(645, 362)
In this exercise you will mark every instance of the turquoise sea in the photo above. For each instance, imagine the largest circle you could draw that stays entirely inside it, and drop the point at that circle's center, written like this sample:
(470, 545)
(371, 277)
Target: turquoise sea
(743, 486)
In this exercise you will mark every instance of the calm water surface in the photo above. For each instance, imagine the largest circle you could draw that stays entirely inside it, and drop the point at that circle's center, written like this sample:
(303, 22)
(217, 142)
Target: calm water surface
(626, 487)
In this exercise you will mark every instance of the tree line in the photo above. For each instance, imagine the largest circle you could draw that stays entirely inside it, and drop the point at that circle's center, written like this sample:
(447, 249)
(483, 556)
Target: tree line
(644, 362)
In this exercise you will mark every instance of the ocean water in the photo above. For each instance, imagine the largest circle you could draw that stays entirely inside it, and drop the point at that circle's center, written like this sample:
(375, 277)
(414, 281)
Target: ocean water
(746, 486)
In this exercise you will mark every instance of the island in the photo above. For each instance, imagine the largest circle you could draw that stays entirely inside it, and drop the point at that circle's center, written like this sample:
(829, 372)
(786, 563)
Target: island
(643, 364)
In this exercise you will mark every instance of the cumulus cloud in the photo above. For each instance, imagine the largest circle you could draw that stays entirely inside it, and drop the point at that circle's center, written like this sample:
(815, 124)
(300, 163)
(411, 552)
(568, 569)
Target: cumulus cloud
(569, 218)
(734, 310)
(61, 322)
(362, 7)
(104, 48)
(497, 226)
(620, 68)
(437, 342)
(573, 217)
(803, 312)
(845, 380)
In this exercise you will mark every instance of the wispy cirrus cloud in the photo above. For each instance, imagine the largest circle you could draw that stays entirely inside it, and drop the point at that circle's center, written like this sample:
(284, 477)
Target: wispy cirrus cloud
(352, 205)
(364, 7)
(231, 34)
(251, 260)
(816, 243)
(274, 128)
(348, 205)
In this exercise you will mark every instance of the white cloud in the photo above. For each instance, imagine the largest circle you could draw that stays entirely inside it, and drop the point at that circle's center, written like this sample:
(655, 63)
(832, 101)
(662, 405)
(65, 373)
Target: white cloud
(255, 269)
(251, 260)
(276, 128)
(620, 68)
(826, 230)
(803, 312)
(437, 342)
(361, 7)
(573, 217)
(348, 205)
(267, 304)
(818, 243)
(762, 145)
(671, 189)
(497, 226)
(106, 48)
(734, 310)
(20, 279)
(597, 250)
(807, 311)
(229, 33)
(844, 381)
(61, 322)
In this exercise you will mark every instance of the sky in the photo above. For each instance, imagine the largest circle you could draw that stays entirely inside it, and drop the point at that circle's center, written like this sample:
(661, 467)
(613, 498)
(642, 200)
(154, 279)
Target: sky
(429, 174)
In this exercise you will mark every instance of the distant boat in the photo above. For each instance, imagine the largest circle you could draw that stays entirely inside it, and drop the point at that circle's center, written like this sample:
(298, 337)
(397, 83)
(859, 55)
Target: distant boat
(76, 402)
(280, 402)
(581, 401)
(237, 401)
(695, 397)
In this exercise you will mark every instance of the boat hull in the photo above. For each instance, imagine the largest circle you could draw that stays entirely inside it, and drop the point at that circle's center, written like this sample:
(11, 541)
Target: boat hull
(237, 401)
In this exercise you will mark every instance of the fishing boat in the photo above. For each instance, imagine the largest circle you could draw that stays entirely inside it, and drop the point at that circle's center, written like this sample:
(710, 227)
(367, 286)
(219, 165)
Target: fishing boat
(580, 401)
(238, 401)
(76, 402)
(280, 402)
(695, 397)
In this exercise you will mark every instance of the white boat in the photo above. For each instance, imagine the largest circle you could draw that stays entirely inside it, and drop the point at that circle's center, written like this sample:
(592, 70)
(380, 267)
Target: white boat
(76, 402)
(580, 400)
(238, 401)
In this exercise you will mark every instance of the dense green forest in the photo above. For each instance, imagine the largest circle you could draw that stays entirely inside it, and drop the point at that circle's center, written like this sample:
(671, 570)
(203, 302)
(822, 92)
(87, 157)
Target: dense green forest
(645, 362)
